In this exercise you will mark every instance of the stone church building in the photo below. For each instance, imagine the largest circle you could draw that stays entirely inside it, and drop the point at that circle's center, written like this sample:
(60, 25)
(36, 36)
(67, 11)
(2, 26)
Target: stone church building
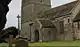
(40, 22)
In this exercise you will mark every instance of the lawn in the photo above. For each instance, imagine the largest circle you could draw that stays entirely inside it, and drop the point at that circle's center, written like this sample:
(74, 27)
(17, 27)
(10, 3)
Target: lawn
(4, 45)
(50, 44)
(55, 43)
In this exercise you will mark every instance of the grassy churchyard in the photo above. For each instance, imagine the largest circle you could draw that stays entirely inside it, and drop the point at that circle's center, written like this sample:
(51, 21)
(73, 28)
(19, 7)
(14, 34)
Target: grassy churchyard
(50, 44)
(56, 43)
(4, 45)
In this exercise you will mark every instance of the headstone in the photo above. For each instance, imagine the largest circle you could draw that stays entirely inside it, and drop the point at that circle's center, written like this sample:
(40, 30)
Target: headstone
(10, 40)
(20, 43)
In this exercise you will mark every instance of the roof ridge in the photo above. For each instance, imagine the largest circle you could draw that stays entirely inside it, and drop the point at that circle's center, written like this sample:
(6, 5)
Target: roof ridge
(64, 5)
(60, 10)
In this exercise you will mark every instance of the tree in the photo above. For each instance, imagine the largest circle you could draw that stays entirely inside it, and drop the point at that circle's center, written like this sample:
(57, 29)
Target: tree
(7, 32)
(3, 12)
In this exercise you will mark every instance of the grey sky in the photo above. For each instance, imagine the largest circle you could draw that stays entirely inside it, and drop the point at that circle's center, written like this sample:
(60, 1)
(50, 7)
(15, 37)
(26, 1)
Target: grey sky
(55, 3)
(15, 6)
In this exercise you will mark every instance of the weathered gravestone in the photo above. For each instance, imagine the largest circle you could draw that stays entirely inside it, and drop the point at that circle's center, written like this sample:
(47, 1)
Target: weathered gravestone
(10, 40)
(21, 42)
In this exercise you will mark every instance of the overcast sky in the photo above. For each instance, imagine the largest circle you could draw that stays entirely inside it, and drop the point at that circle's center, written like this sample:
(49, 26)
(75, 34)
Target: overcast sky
(15, 7)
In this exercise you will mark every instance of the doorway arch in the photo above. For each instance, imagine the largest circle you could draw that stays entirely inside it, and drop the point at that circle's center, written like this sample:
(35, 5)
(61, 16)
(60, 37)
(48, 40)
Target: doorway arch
(36, 35)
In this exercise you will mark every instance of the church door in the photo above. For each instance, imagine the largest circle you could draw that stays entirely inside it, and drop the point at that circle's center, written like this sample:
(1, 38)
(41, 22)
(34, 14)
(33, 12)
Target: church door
(36, 35)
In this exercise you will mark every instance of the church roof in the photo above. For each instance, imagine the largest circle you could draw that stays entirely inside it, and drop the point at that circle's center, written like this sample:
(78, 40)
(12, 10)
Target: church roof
(46, 24)
(59, 11)
(77, 18)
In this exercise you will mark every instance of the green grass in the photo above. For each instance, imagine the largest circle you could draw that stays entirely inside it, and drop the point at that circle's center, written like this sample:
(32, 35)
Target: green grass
(4, 45)
(56, 43)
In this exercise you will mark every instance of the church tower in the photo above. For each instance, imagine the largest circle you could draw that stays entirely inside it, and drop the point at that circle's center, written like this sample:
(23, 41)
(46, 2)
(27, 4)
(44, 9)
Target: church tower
(30, 10)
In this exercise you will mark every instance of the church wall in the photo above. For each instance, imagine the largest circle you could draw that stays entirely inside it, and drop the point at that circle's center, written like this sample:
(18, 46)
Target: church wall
(36, 26)
(27, 13)
(25, 30)
(24, 3)
(68, 29)
(65, 32)
(30, 10)
(41, 2)
(48, 2)
(63, 26)
(56, 23)
(38, 10)
(60, 29)
(77, 29)
(49, 34)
